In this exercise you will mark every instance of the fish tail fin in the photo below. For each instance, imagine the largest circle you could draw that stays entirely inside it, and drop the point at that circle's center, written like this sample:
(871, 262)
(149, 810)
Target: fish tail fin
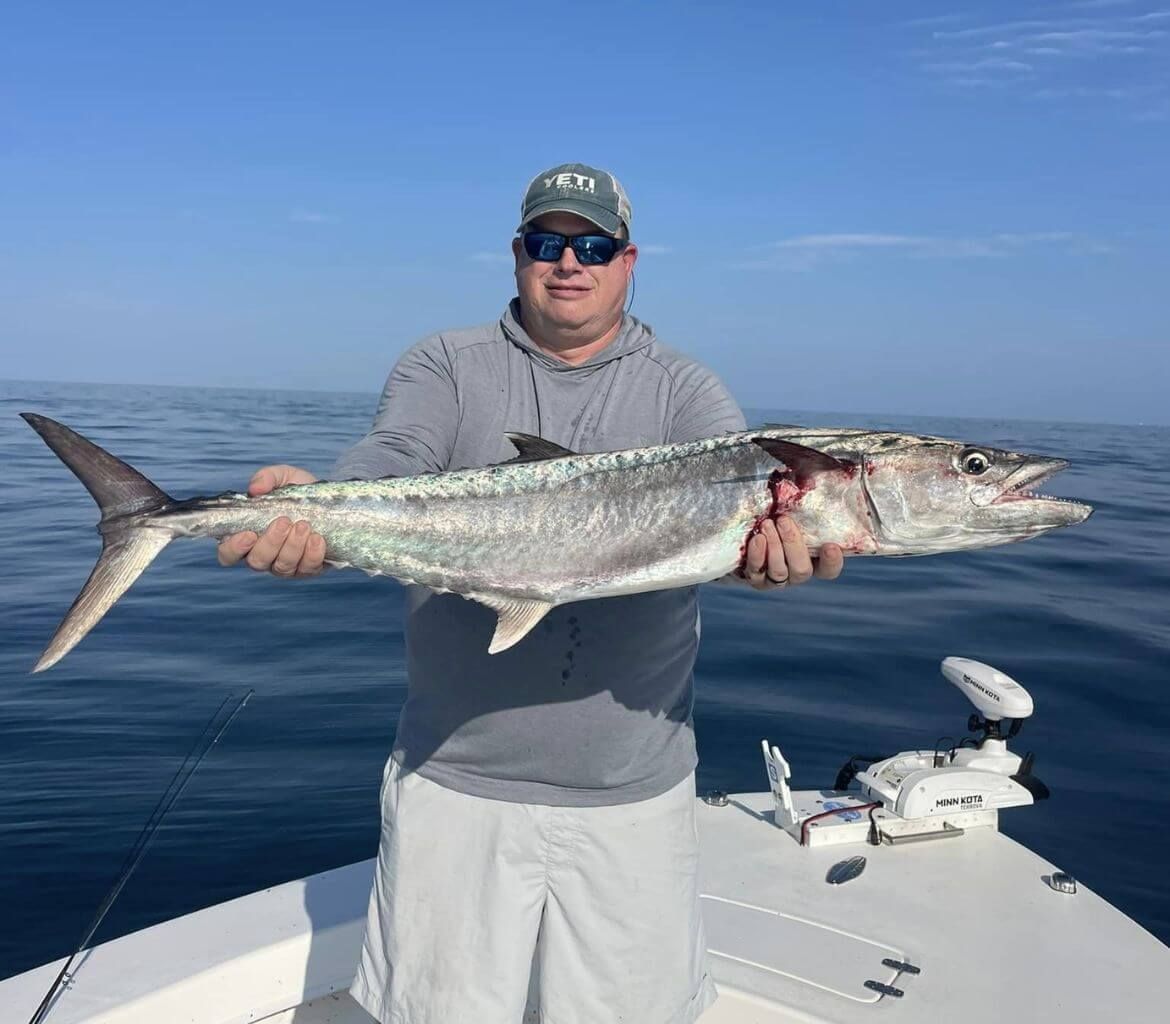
(123, 559)
(128, 547)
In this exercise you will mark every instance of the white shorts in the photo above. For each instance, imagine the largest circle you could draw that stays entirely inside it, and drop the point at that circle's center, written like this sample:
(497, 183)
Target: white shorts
(472, 896)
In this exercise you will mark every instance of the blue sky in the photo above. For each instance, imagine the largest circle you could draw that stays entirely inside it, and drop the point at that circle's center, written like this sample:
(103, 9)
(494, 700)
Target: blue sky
(897, 207)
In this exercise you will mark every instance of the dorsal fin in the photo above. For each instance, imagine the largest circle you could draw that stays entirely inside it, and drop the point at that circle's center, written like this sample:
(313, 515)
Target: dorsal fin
(535, 449)
(801, 460)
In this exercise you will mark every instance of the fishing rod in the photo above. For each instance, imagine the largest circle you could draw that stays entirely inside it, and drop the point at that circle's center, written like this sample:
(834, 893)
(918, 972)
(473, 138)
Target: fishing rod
(199, 750)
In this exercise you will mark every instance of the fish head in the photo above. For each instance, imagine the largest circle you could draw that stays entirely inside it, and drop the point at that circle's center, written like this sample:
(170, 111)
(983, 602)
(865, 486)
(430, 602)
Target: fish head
(932, 494)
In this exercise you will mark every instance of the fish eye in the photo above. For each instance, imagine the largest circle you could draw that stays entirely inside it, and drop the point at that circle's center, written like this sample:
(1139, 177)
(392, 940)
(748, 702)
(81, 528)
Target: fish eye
(974, 462)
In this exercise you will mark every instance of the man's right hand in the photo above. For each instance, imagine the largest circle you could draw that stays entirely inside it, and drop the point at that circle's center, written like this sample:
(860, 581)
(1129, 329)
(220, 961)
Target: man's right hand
(284, 548)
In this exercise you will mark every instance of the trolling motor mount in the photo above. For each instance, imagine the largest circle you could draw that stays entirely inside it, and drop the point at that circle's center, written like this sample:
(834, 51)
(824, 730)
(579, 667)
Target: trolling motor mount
(922, 794)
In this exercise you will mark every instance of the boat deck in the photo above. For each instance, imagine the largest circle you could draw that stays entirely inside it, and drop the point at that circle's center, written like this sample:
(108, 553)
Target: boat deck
(973, 913)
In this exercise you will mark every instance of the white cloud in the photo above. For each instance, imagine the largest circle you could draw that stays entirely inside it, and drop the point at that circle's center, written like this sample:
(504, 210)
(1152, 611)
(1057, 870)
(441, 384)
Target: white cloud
(1034, 237)
(1087, 92)
(937, 19)
(973, 82)
(1078, 33)
(1082, 51)
(806, 252)
(1152, 114)
(654, 250)
(1001, 29)
(848, 241)
(987, 64)
(311, 217)
(491, 256)
(1096, 36)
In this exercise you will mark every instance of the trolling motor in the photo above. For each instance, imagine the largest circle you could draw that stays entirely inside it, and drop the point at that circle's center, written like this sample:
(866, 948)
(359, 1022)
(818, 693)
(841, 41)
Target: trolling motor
(922, 794)
(997, 698)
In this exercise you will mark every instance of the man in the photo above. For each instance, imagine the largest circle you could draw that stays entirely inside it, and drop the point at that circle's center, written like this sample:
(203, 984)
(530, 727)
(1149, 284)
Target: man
(541, 799)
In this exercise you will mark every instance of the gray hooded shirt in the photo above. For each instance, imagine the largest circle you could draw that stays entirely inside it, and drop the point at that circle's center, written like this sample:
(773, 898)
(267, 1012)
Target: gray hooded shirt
(593, 707)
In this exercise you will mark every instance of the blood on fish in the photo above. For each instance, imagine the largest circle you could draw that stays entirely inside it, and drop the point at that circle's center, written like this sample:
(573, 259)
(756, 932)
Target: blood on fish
(785, 496)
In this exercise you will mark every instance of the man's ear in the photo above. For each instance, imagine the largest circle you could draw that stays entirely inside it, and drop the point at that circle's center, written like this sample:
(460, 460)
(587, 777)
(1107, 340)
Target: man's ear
(517, 249)
(630, 255)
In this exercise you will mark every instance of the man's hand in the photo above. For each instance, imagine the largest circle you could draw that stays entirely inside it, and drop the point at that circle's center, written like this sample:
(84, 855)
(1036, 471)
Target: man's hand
(778, 557)
(284, 549)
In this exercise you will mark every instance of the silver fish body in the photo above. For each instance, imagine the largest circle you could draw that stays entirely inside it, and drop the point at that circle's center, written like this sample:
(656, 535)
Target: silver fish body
(555, 527)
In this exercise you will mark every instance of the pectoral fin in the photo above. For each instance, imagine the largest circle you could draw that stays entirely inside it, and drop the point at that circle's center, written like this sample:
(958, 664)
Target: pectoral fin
(517, 617)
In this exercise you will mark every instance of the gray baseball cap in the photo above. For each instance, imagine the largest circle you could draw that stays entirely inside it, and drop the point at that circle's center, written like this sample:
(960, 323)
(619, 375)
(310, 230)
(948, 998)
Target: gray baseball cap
(586, 191)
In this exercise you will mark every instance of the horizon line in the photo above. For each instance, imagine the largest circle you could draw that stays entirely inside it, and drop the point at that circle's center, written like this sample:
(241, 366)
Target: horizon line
(745, 407)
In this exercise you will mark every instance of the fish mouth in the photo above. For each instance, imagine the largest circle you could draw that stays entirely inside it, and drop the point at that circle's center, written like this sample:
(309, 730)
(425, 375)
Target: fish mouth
(1019, 486)
(1040, 511)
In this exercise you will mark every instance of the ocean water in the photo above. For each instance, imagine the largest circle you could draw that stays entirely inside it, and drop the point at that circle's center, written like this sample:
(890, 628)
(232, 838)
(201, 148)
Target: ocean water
(1080, 617)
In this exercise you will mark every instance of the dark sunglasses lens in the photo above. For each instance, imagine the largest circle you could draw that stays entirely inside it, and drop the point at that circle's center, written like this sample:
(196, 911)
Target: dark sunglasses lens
(544, 246)
(590, 250)
(594, 250)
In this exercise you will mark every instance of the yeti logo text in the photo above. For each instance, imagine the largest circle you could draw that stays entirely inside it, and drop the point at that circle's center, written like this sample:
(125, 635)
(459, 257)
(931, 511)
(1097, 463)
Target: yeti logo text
(566, 180)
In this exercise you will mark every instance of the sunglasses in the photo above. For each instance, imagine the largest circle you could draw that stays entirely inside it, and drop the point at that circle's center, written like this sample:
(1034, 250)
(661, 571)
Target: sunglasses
(590, 250)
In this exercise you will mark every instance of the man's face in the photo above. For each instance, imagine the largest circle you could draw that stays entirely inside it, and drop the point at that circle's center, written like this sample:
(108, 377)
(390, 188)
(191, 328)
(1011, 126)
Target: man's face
(566, 295)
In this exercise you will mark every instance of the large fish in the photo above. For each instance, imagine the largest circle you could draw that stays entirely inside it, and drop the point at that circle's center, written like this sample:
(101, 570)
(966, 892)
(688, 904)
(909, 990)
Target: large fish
(553, 526)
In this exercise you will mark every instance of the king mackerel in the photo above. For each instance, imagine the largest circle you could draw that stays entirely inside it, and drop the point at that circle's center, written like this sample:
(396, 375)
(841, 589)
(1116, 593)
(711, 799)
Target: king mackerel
(552, 526)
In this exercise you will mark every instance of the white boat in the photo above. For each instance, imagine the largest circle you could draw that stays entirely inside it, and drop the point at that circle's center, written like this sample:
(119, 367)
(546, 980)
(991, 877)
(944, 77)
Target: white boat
(901, 902)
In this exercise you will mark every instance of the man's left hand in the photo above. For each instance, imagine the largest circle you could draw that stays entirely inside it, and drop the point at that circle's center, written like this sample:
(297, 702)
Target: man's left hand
(777, 556)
